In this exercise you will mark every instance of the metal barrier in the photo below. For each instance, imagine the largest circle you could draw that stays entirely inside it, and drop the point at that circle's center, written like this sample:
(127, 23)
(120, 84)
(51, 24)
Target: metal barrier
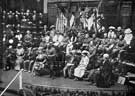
(20, 82)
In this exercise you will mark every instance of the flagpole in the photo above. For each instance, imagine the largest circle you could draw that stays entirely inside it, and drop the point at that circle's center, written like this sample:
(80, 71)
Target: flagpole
(99, 5)
(96, 15)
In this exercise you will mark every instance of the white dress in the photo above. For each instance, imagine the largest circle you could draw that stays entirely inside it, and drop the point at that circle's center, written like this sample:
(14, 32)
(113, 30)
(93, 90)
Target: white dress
(80, 70)
(128, 38)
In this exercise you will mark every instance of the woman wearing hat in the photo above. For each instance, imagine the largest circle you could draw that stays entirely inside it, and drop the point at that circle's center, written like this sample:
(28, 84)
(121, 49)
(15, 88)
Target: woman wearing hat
(80, 70)
(58, 39)
(111, 33)
(128, 35)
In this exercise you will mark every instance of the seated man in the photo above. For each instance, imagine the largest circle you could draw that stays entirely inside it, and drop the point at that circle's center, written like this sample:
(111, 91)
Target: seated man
(103, 71)
(104, 77)
(69, 63)
(20, 56)
(28, 39)
(51, 56)
(80, 70)
(120, 46)
(10, 58)
(32, 58)
(27, 58)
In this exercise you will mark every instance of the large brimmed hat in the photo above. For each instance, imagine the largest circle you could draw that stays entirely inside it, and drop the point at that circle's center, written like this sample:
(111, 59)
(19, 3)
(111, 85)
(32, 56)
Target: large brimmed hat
(10, 47)
(106, 56)
(52, 26)
(111, 27)
(85, 52)
(127, 31)
(11, 41)
(40, 48)
(19, 45)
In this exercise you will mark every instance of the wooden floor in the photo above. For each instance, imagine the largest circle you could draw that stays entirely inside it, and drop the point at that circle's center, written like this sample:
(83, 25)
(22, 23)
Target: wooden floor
(58, 82)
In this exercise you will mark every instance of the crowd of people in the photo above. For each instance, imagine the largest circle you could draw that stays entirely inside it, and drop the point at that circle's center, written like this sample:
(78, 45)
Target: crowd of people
(77, 52)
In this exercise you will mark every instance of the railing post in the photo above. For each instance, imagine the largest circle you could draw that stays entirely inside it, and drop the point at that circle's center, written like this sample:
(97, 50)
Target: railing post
(20, 81)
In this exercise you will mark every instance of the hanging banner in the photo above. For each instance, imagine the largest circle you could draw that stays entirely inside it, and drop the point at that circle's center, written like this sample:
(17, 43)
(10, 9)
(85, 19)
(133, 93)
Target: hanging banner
(45, 6)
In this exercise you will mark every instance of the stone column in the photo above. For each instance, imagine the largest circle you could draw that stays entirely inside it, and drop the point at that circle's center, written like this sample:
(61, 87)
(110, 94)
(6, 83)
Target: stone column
(1, 43)
(45, 12)
(133, 15)
(45, 3)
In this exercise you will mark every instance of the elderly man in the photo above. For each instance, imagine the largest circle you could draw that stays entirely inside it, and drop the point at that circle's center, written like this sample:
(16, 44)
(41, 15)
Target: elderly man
(80, 70)
(104, 76)
(101, 75)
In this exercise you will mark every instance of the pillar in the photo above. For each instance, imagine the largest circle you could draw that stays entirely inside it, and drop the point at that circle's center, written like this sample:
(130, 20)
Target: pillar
(45, 11)
(45, 6)
(133, 15)
(1, 39)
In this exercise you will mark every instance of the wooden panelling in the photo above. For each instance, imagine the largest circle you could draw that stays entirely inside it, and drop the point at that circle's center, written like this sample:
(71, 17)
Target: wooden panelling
(126, 10)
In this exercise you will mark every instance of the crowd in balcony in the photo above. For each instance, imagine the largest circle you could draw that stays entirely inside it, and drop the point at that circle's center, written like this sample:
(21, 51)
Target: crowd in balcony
(86, 50)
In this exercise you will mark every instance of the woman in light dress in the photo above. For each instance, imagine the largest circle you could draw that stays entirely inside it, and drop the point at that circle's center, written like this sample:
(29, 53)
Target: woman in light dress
(80, 70)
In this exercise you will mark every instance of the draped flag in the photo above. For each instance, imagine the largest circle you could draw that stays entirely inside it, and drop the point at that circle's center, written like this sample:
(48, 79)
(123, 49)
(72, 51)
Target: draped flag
(61, 23)
(90, 22)
(72, 20)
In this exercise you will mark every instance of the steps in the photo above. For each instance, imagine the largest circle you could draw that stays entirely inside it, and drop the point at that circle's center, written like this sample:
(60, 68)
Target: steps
(9, 92)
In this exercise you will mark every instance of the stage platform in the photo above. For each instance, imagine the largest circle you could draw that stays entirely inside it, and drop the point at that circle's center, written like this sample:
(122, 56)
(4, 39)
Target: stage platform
(58, 82)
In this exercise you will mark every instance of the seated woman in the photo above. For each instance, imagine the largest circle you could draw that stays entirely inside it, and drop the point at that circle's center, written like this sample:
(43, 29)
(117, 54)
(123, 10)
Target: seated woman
(39, 63)
(80, 70)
